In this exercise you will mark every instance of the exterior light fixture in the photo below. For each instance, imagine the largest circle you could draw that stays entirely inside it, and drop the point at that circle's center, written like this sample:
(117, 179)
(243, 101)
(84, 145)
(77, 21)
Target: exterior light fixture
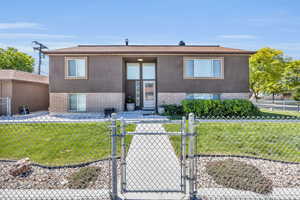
(140, 59)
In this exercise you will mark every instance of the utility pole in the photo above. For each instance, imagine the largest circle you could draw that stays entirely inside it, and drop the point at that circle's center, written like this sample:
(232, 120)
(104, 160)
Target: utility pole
(39, 47)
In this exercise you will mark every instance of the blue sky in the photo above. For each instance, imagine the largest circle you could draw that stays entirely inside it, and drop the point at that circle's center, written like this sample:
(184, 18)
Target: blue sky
(232, 23)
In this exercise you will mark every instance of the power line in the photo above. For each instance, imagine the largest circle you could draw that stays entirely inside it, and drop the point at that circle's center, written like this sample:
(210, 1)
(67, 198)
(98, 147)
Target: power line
(39, 47)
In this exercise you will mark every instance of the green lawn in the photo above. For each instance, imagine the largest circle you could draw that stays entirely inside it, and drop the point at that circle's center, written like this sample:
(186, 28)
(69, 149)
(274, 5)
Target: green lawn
(278, 141)
(57, 143)
(279, 113)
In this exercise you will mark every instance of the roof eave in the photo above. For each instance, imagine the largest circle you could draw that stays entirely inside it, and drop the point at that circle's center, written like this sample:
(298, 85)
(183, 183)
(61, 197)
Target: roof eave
(147, 52)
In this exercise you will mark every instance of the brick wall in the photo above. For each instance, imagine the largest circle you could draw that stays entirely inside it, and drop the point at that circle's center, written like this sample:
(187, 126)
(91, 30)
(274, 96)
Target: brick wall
(235, 95)
(176, 98)
(95, 102)
(170, 98)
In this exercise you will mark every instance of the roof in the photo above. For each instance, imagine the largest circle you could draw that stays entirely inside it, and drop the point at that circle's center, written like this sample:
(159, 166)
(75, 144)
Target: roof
(148, 49)
(23, 76)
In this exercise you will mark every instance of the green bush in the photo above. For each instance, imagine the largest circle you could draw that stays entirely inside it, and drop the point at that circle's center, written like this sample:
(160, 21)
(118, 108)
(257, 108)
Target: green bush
(173, 110)
(225, 108)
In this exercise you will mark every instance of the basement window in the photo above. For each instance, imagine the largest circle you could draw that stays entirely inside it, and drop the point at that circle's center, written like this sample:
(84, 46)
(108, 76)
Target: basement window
(204, 96)
(77, 102)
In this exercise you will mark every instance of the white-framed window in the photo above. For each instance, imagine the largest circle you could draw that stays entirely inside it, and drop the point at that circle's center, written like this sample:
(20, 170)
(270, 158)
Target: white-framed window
(204, 96)
(203, 68)
(77, 102)
(148, 71)
(76, 68)
(133, 71)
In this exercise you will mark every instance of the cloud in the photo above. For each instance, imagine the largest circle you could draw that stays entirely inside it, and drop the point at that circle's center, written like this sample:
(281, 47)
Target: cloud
(20, 25)
(237, 36)
(33, 36)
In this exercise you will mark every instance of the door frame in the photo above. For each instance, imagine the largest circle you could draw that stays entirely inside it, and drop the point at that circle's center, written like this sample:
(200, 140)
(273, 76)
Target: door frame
(141, 107)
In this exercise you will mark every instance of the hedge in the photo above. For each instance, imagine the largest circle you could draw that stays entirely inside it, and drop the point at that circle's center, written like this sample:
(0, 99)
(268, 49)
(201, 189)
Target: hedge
(173, 110)
(205, 108)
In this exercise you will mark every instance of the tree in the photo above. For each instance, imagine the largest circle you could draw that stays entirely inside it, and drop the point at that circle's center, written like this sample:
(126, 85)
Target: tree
(291, 75)
(296, 96)
(266, 69)
(11, 58)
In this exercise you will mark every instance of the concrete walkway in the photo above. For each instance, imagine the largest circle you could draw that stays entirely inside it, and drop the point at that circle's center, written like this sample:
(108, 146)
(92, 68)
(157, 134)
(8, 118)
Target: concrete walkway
(151, 163)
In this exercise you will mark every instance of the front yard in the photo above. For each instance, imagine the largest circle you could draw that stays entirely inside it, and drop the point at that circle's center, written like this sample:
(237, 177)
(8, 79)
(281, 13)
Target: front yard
(277, 141)
(279, 113)
(57, 143)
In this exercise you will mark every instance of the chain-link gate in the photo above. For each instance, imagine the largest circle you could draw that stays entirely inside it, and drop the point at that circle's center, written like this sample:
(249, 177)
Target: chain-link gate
(151, 162)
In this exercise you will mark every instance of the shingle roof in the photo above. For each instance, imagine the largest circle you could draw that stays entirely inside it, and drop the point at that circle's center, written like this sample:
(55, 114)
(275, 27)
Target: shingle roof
(147, 49)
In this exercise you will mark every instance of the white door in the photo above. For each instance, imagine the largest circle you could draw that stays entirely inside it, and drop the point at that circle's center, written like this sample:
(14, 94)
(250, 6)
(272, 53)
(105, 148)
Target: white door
(149, 94)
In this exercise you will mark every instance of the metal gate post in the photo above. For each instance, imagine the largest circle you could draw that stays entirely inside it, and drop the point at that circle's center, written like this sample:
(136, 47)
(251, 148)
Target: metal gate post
(114, 183)
(123, 155)
(183, 154)
(191, 157)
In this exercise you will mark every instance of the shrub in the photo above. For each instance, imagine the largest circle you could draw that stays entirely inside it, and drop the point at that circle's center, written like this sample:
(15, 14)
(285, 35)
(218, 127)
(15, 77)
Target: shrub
(83, 178)
(234, 107)
(239, 175)
(296, 94)
(173, 110)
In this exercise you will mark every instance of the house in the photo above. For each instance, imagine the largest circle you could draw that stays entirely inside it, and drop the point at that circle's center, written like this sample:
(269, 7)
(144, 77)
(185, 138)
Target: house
(19, 88)
(90, 78)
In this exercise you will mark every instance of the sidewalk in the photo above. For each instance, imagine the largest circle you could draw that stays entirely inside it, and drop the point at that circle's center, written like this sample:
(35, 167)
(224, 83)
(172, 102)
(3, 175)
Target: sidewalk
(151, 163)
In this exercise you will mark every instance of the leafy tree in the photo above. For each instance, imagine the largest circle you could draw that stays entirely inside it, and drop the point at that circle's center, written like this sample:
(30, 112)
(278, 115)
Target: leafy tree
(296, 94)
(11, 58)
(291, 75)
(266, 69)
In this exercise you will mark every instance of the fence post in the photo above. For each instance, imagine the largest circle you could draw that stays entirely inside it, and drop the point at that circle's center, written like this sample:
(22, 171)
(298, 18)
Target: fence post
(183, 132)
(113, 156)
(123, 155)
(191, 157)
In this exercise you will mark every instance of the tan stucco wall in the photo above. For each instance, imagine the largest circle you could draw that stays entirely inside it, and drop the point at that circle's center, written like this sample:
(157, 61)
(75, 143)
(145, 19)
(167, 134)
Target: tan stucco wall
(35, 95)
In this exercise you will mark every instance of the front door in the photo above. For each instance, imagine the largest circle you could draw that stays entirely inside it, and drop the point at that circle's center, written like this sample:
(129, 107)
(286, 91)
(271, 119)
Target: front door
(141, 84)
(149, 94)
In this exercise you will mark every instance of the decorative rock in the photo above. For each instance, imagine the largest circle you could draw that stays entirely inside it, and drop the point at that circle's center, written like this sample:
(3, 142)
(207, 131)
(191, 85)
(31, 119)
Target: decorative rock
(20, 167)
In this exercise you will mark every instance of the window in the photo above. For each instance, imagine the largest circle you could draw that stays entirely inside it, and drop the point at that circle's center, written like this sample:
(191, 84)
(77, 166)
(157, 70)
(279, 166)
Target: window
(133, 71)
(148, 71)
(77, 102)
(203, 68)
(76, 68)
(195, 96)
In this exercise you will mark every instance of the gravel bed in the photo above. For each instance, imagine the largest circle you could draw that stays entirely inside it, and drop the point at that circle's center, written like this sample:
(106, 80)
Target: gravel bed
(41, 178)
(281, 174)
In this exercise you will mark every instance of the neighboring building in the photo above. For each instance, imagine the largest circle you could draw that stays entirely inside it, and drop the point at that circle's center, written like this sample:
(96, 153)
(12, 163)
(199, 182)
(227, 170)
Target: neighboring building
(90, 78)
(22, 88)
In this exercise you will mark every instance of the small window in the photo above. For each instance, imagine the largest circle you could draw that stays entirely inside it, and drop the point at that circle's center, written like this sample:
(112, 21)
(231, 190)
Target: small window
(133, 71)
(204, 96)
(148, 71)
(77, 102)
(76, 68)
(203, 68)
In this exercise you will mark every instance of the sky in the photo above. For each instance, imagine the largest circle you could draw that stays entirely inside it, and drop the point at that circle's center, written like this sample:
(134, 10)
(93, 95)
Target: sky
(242, 24)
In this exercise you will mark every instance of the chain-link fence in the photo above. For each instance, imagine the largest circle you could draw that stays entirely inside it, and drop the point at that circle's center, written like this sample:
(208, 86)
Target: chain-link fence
(283, 105)
(91, 157)
(249, 158)
(65, 158)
